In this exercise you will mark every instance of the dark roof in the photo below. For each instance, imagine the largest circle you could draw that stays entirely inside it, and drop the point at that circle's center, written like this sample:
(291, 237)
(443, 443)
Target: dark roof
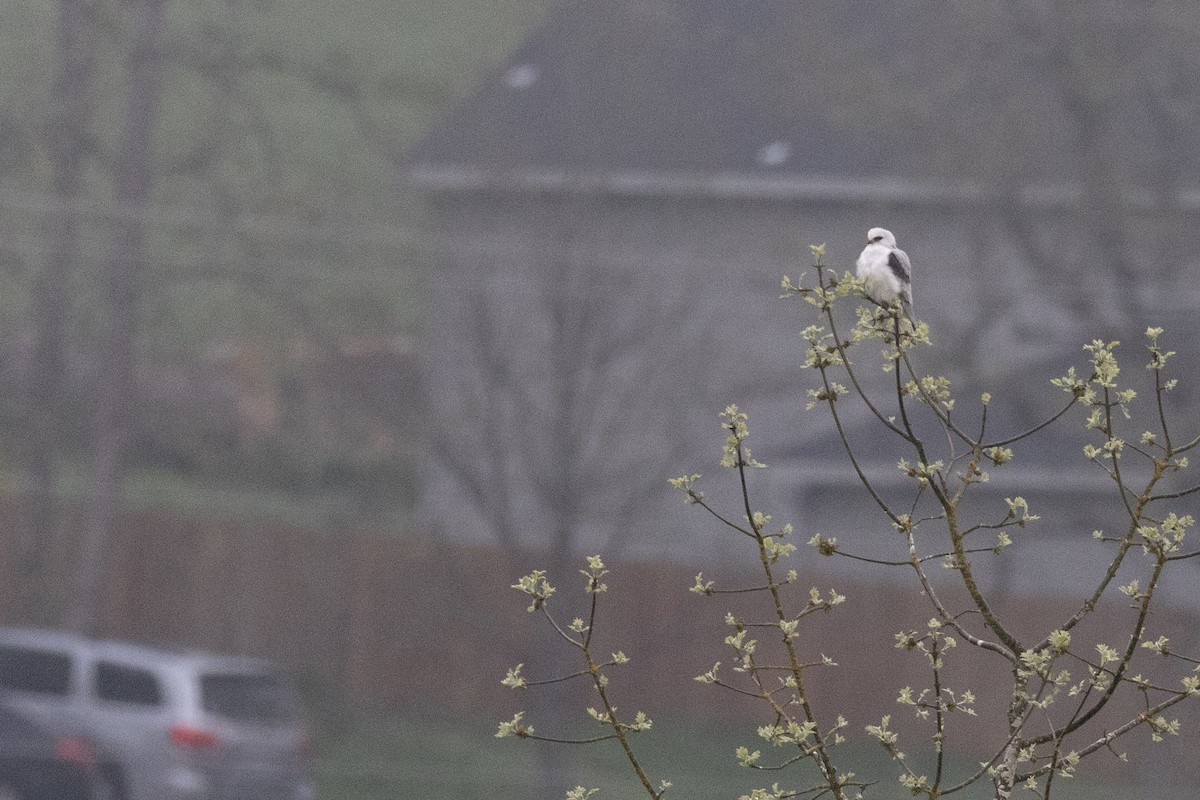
(779, 92)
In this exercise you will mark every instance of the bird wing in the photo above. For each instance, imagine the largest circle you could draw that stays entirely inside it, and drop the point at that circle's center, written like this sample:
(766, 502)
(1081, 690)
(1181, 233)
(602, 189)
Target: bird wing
(899, 265)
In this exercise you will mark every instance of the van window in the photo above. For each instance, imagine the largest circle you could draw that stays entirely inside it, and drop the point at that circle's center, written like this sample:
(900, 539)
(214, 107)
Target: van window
(248, 697)
(25, 669)
(125, 684)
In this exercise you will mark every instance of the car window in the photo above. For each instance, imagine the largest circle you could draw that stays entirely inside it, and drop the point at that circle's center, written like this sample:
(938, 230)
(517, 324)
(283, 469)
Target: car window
(26, 669)
(248, 697)
(124, 684)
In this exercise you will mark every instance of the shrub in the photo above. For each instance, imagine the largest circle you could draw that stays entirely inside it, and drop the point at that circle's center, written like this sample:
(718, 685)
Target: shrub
(1056, 687)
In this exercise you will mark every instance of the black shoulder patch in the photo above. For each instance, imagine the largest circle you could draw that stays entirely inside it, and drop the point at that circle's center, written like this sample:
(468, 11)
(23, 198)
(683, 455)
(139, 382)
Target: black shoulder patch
(897, 267)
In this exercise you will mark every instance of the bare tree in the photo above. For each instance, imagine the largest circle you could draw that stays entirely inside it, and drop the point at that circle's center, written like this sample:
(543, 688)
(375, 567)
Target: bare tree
(133, 184)
(67, 131)
(550, 396)
(535, 403)
(1107, 85)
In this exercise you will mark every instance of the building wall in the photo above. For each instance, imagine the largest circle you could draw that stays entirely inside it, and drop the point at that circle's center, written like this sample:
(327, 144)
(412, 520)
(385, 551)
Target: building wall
(736, 341)
(714, 267)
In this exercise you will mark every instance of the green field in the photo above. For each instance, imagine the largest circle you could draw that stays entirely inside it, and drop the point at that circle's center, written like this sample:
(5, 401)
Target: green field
(376, 757)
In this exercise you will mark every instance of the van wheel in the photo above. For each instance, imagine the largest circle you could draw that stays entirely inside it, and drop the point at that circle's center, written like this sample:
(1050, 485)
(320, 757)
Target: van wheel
(10, 792)
(109, 785)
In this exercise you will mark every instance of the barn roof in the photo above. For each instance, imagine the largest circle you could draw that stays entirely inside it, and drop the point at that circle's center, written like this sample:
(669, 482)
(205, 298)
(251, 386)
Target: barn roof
(778, 98)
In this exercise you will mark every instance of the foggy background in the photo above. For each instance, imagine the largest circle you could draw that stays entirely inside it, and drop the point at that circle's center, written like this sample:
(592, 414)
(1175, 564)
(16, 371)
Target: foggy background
(325, 322)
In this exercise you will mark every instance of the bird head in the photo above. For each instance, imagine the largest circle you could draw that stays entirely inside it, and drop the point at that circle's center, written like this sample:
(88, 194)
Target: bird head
(881, 236)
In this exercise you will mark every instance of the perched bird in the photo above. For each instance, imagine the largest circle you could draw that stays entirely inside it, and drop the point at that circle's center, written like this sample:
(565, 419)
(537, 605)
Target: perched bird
(885, 270)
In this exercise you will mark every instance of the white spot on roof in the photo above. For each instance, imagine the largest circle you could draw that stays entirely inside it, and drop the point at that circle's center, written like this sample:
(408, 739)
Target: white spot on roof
(774, 154)
(522, 76)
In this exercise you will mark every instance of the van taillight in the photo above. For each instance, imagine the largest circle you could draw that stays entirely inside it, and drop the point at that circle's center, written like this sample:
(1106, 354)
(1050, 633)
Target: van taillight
(191, 736)
(306, 746)
(76, 749)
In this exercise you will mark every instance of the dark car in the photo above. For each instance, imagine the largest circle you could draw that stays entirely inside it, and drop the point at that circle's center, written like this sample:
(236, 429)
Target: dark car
(37, 766)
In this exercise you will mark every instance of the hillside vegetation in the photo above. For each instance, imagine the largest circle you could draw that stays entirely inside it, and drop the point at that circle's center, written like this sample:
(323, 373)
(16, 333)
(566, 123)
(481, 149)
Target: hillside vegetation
(279, 249)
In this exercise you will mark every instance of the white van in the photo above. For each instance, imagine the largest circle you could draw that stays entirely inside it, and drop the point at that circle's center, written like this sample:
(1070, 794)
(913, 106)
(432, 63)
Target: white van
(166, 724)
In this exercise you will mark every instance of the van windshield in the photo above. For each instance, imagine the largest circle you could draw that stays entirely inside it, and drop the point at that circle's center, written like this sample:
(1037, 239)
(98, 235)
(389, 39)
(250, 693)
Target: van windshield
(29, 669)
(249, 697)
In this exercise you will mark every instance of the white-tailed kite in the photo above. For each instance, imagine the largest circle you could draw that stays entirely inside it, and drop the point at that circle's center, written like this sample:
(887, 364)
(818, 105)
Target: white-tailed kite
(885, 270)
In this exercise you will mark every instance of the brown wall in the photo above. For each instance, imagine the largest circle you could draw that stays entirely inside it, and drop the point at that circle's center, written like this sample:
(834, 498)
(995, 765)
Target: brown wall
(408, 623)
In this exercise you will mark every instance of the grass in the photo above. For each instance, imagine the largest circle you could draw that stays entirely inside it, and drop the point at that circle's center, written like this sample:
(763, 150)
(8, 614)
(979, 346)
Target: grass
(164, 491)
(170, 493)
(378, 756)
(444, 757)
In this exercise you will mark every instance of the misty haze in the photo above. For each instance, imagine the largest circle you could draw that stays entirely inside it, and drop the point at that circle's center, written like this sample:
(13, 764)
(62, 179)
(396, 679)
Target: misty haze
(325, 323)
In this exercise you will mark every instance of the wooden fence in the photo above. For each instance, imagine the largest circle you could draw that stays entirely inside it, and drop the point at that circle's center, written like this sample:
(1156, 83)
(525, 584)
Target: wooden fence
(401, 622)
